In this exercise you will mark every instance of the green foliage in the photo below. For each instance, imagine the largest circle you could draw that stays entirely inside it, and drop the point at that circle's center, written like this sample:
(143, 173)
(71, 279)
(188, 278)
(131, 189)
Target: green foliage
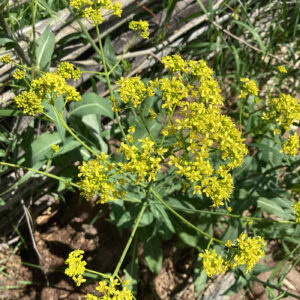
(141, 118)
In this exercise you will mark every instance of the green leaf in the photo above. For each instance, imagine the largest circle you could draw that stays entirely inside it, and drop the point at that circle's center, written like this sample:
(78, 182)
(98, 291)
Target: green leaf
(10, 113)
(59, 104)
(131, 269)
(44, 49)
(40, 149)
(200, 277)
(152, 249)
(91, 103)
(93, 122)
(110, 57)
(4, 39)
(271, 206)
(269, 153)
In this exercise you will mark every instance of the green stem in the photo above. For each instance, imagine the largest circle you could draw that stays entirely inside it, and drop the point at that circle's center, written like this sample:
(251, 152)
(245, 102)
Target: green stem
(184, 220)
(40, 172)
(97, 273)
(72, 133)
(241, 113)
(108, 79)
(124, 52)
(34, 60)
(137, 221)
(146, 127)
(169, 121)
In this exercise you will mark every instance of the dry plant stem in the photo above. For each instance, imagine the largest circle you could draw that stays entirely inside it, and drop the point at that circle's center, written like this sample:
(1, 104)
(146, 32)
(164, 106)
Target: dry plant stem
(108, 80)
(249, 45)
(73, 134)
(29, 225)
(40, 172)
(184, 220)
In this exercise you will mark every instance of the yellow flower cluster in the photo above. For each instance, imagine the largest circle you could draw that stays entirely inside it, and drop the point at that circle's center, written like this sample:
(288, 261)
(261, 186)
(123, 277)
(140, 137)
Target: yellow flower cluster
(29, 103)
(111, 291)
(47, 87)
(67, 71)
(249, 251)
(96, 178)
(5, 59)
(19, 74)
(54, 148)
(297, 211)
(291, 145)
(141, 27)
(213, 264)
(144, 162)
(205, 129)
(284, 110)
(132, 90)
(93, 10)
(201, 129)
(76, 266)
(249, 88)
(281, 69)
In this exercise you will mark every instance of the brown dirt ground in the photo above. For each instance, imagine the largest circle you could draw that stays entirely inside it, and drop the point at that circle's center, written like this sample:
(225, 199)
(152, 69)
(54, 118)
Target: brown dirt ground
(58, 232)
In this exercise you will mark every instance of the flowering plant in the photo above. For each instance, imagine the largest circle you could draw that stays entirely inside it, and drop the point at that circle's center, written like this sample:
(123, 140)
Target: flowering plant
(178, 156)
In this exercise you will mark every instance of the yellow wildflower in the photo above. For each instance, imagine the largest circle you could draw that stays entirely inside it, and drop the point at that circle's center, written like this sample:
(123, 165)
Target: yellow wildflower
(284, 110)
(213, 264)
(29, 103)
(112, 291)
(132, 89)
(76, 266)
(93, 10)
(5, 59)
(297, 211)
(249, 88)
(249, 251)
(55, 148)
(281, 69)
(95, 178)
(67, 71)
(19, 74)
(140, 26)
(291, 145)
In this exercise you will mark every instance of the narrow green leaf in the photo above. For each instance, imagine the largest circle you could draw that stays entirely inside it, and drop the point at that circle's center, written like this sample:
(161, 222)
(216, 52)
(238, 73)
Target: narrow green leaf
(256, 36)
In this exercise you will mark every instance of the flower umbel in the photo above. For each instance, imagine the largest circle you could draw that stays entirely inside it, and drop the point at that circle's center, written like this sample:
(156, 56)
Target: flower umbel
(140, 26)
(249, 251)
(281, 69)
(67, 71)
(19, 74)
(291, 145)
(212, 263)
(5, 59)
(249, 88)
(76, 266)
(93, 10)
(297, 211)
(95, 177)
(29, 103)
